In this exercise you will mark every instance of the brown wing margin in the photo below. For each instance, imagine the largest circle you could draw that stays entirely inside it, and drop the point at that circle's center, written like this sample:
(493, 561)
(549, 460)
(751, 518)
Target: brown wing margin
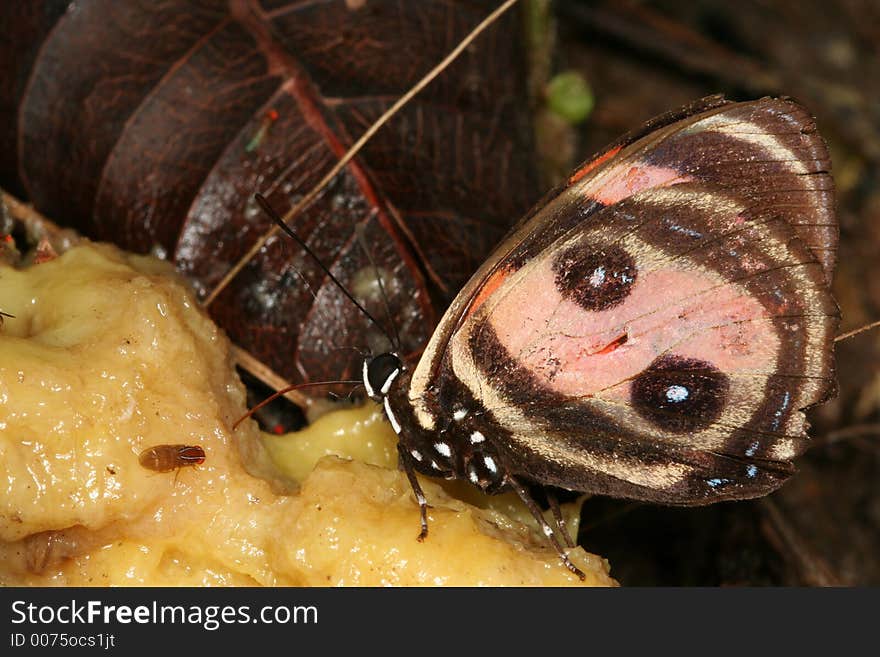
(769, 152)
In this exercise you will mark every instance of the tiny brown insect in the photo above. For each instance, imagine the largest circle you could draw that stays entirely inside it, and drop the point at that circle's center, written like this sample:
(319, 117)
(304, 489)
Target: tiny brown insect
(165, 458)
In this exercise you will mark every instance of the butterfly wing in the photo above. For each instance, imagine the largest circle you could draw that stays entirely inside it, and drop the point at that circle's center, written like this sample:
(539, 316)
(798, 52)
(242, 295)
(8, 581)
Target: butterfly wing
(655, 328)
(661, 351)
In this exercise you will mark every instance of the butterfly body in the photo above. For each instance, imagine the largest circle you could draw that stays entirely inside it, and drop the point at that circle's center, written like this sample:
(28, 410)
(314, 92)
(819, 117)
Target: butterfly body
(456, 447)
(652, 330)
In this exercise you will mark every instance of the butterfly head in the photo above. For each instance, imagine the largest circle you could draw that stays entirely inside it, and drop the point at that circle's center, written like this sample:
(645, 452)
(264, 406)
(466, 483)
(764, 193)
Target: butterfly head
(379, 373)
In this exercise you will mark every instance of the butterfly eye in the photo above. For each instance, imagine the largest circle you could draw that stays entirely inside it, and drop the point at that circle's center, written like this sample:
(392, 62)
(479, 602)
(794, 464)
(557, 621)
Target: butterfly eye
(680, 394)
(595, 279)
(380, 372)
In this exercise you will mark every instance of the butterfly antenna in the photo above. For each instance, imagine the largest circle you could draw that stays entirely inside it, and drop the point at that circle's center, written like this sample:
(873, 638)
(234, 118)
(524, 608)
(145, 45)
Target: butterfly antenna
(284, 391)
(261, 200)
(359, 232)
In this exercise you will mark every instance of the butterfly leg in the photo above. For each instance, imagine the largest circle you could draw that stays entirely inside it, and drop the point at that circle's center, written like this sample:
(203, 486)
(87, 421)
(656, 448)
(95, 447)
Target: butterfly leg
(406, 461)
(545, 526)
(557, 515)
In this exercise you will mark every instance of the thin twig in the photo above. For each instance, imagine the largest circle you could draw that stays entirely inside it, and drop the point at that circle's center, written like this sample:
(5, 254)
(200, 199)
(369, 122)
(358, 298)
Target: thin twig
(814, 570)
(861, 329)
(848, 433)
(265, 374)
(662, 36)
(358, 145)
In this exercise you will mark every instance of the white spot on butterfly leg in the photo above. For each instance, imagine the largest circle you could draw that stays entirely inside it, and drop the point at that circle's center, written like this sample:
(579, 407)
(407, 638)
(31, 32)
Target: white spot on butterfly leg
(489, 462)
(435, 466)
(443, 449)
(473, 477)
(390, 415)
(548, 530)
(416, 454)
(477, 438)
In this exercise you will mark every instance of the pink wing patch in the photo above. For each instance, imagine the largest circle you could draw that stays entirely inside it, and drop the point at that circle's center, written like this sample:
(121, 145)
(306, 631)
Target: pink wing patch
(625, 179)
(691, 313)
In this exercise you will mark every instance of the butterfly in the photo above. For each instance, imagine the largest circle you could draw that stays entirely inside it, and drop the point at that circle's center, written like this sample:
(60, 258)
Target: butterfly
(653, 329)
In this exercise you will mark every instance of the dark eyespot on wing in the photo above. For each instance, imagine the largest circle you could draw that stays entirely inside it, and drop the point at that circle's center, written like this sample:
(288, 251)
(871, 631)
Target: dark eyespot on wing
(596, 280)
(680, 394)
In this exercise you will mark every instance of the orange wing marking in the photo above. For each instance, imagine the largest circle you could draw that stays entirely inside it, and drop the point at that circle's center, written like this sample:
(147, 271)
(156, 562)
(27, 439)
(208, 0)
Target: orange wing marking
(584, 170)
(493, 282)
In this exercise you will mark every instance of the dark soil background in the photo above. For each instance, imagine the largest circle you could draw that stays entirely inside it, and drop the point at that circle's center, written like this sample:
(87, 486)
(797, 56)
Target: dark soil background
(152, 124)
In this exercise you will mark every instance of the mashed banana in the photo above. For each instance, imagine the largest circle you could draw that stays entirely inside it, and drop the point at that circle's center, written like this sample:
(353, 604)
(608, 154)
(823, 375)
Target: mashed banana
(108, 354)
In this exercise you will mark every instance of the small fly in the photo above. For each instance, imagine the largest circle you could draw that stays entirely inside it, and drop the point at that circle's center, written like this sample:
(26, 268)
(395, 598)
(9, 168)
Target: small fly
(165, 458)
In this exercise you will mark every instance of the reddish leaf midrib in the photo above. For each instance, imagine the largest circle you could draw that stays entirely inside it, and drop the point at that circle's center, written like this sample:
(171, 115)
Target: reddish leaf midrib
(297, 84)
